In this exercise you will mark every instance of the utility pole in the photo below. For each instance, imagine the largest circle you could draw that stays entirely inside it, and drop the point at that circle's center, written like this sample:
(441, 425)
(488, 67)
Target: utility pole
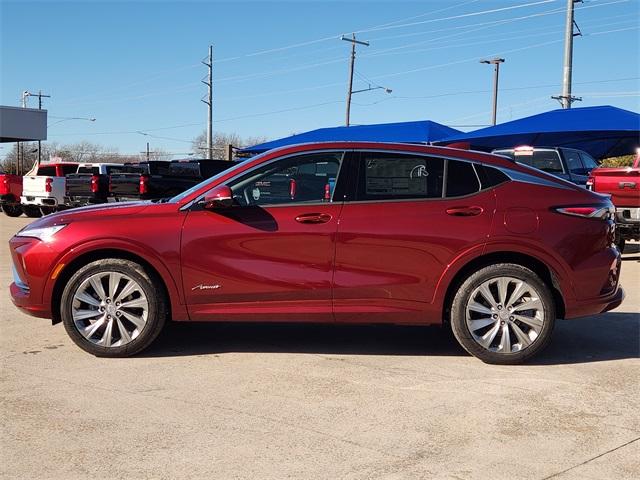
(496, 74)
(208, 99)
(40, 96)
(351, 67)
(566, 99)
(147, 151)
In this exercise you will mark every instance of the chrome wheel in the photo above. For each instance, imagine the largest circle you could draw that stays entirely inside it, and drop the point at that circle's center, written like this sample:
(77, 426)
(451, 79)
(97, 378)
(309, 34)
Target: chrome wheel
(110, 309)
(505, 315)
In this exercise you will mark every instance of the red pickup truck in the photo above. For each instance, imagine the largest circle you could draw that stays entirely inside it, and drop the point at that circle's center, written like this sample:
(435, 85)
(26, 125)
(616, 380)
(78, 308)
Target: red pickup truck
(623, 184)
(10, 191)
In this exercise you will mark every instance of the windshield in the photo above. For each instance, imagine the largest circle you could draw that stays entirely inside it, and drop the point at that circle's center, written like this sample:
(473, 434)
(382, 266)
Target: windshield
(195, 188)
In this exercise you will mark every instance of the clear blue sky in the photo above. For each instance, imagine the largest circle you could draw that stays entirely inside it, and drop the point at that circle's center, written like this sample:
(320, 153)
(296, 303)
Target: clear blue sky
(134, 66)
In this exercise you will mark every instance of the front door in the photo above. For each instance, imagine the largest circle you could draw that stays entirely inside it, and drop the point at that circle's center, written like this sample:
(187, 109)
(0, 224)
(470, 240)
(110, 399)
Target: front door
(412, 215)
(270, 255)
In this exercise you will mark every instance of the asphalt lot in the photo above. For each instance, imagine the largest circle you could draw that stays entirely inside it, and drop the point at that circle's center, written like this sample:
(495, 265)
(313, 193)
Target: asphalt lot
(251, 401)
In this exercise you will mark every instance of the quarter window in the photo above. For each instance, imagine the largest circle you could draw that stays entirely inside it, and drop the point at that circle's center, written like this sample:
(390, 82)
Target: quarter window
(391, 176)
(304, 178)
(573, 162)
(461, 179)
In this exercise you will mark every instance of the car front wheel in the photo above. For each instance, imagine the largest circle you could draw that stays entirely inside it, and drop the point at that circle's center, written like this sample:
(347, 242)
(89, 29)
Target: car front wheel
(113, 308)
(503, 314)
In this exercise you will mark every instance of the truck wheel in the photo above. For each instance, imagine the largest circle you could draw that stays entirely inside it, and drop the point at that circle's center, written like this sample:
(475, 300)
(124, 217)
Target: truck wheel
(12, 210)
(47, 210)
(31, 211)
(113, 308)
(503, 314)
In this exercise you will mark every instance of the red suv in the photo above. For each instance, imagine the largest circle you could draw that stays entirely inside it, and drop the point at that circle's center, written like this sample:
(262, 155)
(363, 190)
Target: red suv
(332, 232)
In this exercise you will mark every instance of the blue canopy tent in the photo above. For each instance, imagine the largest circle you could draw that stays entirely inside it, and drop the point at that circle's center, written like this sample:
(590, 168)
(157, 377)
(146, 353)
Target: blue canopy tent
(603, 131)
(403, 132)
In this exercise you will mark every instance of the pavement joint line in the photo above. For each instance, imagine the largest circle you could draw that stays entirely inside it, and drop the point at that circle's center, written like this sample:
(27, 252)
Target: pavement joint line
(591, 459)
(227, 409)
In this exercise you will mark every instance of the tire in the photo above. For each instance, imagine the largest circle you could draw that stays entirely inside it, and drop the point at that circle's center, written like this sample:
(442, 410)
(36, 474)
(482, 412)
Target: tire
(12, 210)
(493, 330)
(31, 211)
(103, 335)
(47, 210)
(620, 243)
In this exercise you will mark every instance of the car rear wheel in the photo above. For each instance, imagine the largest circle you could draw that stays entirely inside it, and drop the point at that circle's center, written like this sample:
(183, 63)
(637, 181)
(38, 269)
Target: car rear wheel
(113, 308)
(12, 210)
(503, 314)
(31, 211)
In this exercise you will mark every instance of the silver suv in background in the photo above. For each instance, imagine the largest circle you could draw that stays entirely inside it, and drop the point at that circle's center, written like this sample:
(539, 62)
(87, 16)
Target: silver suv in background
(568, 163)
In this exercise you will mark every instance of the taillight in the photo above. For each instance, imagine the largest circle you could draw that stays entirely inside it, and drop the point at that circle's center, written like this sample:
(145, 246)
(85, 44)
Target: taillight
(95, 183)
(327, 192)
(589, 211)
(591, 183)
(47, 186)
(4, 187)
(144, 187)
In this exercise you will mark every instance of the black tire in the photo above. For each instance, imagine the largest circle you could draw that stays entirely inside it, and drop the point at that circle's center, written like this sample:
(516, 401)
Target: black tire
(12, 210)
(149, 283)
(31, 211)
(459, 314)
(620, 243)
(47, 210)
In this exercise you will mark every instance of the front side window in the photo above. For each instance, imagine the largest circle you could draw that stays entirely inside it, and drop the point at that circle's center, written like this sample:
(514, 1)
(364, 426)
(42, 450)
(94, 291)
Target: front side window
(573, 162)
(588, 161)
(309, 178)
(398, 176)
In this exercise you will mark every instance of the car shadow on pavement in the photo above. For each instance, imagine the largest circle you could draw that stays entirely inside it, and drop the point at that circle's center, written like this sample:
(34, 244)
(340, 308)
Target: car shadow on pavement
(610, 336)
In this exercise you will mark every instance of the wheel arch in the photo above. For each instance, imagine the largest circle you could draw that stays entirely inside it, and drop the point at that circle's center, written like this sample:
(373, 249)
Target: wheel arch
(532, 263)
(101, 254)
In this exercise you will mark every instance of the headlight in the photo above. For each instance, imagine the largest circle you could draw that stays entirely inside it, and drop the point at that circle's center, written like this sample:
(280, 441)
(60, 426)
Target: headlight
(43, 233)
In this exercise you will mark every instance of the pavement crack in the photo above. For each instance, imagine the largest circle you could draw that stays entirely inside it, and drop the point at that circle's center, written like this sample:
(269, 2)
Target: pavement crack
(591, 459)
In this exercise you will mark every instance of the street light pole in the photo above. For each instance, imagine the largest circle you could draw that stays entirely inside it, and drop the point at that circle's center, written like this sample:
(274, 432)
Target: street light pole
(496, 75)
(351, 67)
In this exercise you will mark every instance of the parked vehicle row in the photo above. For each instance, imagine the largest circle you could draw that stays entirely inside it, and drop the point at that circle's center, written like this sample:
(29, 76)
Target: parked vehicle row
(57, 186)
(623, 185)
(335, 232)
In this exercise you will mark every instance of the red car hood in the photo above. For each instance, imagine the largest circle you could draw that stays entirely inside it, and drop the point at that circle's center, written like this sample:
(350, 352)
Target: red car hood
(91, 212)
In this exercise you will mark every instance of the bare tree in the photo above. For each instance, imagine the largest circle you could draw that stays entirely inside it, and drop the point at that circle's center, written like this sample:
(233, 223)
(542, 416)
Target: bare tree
(220, 142)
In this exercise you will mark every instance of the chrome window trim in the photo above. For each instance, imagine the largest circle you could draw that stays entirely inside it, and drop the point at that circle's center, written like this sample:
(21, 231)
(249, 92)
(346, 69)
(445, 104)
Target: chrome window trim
(344, 151)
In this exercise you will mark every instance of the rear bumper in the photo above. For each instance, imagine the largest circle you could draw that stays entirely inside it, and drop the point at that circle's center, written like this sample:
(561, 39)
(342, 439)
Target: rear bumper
(39, 201)
(8, 198)
(77, 201)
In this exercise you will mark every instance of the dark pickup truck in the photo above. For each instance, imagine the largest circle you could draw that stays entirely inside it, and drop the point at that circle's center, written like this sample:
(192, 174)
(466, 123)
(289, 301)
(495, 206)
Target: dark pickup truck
(90, 184)
(160, 179)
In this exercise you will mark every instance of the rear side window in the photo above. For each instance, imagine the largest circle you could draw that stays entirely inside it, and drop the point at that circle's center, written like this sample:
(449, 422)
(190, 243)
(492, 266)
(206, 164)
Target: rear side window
(396, 176)
(461, 179)
(490, 177)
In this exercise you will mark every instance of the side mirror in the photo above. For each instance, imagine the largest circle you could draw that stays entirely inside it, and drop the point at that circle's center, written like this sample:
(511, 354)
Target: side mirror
(220, 197)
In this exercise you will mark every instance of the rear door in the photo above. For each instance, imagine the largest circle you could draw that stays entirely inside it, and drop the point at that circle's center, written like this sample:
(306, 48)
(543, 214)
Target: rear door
(406, 217)
(272, 253)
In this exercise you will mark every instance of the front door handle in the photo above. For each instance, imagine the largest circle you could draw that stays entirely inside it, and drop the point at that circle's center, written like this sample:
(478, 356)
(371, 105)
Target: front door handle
(464, 211)
(313, 218)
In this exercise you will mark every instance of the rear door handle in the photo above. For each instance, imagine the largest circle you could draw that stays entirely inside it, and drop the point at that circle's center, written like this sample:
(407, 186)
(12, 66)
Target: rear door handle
(313, 218)
(464, 211)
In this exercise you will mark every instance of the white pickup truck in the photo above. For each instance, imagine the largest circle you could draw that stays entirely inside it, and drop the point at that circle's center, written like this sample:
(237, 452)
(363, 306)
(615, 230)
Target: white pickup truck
(44, 193)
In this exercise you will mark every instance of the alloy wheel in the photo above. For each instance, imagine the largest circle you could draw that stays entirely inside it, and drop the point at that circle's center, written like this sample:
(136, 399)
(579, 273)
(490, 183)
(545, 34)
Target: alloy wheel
(505, 315)
(110, 309)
